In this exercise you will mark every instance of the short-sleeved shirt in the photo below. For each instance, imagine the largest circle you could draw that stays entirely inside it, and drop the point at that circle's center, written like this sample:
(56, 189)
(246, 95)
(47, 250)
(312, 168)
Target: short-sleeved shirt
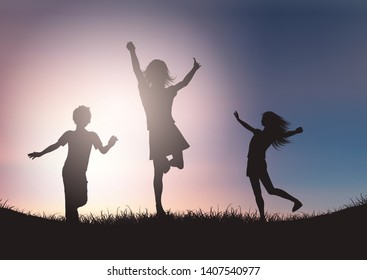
(80, 144)
(157, 105)
(259, 143)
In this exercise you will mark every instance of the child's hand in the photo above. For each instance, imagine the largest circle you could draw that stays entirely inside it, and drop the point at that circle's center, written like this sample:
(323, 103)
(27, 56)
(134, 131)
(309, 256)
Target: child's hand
(34, 155)
(112, 141)
(299, 130)
(236, 115)
(197, 65)
(130, 46)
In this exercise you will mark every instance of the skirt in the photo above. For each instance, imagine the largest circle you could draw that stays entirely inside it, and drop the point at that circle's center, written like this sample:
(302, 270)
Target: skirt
(166, 140)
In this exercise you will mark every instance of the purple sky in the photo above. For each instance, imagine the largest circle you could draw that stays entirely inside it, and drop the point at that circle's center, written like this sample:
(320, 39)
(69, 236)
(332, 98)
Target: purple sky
(305, 62)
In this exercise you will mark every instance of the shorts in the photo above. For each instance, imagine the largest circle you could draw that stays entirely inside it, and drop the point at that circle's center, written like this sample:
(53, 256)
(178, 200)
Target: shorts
(256, 168)
(75, 186)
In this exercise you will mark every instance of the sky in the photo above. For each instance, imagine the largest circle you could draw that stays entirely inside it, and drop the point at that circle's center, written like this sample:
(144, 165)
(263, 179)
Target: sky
(304, 60)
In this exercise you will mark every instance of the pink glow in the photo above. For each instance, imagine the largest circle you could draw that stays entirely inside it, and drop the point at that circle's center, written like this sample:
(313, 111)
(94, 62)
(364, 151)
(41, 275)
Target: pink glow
(70, 60)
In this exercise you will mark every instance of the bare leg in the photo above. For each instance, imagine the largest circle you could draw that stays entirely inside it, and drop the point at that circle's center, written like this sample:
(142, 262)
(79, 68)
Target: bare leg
(265, 179)
(255, 183)
(71, 212)
(158, 186)
(177, 160)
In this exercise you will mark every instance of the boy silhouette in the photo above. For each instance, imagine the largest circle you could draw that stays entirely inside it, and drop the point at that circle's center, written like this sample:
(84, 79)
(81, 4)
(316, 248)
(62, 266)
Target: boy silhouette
(80, 143)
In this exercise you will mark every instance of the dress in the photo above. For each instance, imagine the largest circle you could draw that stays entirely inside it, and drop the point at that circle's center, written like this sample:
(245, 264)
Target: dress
(164, 136)
(74, 171)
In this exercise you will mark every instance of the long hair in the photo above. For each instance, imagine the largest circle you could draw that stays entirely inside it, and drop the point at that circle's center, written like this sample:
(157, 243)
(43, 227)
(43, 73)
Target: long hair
(277, 127)
(157, 72)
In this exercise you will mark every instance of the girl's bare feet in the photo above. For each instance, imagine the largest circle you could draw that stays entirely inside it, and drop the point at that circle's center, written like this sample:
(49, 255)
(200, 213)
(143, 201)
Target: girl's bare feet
(297, 205)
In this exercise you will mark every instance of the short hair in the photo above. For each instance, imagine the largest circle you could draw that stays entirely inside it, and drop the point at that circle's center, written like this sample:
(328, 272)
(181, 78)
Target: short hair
(82, 115)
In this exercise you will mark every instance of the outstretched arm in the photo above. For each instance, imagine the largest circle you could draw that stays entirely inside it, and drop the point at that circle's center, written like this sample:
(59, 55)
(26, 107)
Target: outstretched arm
(244, 124)
(110, 144)
(294, 132)
(189, 76)
(49, 149)
(135, 62)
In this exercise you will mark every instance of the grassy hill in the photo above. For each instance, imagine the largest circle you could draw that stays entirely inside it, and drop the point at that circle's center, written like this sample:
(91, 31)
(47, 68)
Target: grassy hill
(194, 235)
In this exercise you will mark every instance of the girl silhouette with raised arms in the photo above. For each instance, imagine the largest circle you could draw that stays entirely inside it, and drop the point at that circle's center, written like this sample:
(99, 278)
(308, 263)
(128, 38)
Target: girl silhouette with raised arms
(275, 133)
(165, 139)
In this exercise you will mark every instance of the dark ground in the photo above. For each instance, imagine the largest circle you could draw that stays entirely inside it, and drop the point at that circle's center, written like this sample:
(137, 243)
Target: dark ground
(339, 235)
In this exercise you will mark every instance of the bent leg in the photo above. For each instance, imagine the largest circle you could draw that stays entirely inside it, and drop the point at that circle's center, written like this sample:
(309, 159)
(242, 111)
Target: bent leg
(265, 179)
(177, 160)
(75, 190)
(255, 183)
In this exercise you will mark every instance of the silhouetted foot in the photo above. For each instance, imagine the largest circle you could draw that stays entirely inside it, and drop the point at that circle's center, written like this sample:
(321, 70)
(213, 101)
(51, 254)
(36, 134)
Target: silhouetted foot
(72, 221)
(161, 213)
(262, 220)
(297, 205)
(173, 163)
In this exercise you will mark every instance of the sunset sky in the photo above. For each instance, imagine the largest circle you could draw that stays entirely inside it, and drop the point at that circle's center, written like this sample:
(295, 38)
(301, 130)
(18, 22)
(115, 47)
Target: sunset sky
(305, 60)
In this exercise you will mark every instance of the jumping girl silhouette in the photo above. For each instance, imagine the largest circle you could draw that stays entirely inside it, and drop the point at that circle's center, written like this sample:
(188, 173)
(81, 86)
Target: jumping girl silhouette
(165, 139)
(275, 133)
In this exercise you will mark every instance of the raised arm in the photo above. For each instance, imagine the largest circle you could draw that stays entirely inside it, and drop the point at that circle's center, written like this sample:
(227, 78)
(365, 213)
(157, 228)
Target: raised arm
(293, 132)
(135, 62)
(49, 149)
(244, 124)
(110, 144)
(189, 76)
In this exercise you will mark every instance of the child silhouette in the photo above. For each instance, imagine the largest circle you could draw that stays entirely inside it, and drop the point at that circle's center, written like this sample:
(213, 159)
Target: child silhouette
(80, 143)
(157, 96)
(275, 133)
